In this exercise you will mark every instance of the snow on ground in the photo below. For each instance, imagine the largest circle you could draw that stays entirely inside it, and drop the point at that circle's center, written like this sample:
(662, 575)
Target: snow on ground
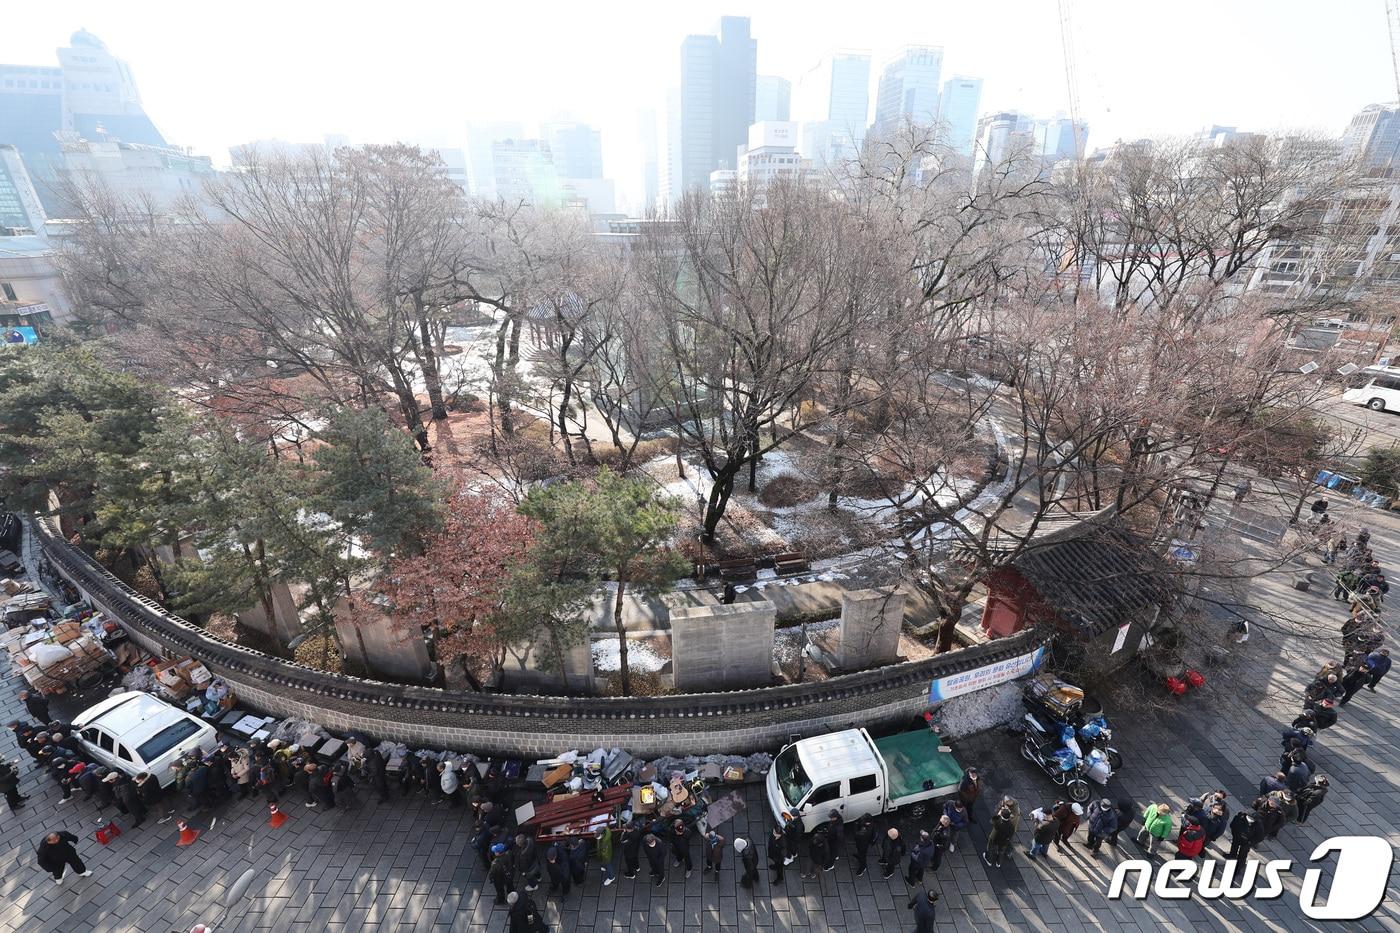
(787, 642)
(641, 656)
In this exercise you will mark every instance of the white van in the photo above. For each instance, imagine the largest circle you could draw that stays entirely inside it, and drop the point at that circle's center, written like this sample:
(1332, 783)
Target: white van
(1377, 387)
(135, 732)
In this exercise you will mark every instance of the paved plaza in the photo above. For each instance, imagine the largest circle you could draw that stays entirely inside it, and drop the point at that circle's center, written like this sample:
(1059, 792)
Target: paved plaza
(406, 865)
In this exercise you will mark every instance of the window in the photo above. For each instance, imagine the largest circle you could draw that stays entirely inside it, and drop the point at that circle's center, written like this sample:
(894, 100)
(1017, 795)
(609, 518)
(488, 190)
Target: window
(864, 784)
(824, 793)
(104, 741)
(166, 739)
(90, 734)
(122, 753)
(791, 779)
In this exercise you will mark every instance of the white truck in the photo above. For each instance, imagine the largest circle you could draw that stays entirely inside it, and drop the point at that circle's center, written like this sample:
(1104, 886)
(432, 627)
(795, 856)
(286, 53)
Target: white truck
(855, 775)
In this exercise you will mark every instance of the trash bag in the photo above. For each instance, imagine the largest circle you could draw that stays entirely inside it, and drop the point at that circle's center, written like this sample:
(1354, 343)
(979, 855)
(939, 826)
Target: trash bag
(1068, 760)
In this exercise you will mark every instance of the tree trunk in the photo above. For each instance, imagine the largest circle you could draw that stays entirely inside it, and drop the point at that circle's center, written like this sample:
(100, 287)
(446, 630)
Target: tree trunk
(625, 673)
(408, 405)
(432, 373)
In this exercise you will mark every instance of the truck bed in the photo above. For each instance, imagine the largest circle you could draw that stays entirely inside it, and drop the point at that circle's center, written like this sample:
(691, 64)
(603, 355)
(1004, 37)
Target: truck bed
(913, 758)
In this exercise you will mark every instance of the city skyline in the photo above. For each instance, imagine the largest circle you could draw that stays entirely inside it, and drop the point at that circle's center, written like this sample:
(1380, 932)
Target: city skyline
(203, 95)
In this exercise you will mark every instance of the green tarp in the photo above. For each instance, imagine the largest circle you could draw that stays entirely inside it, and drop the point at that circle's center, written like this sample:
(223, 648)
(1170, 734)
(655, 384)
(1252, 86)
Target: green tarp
(913, 758)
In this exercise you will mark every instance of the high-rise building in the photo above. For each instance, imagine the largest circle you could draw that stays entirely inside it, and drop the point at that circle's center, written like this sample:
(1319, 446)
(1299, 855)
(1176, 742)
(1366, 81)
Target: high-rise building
(909, 88)
(651, 159)
(92, 94)
(480, 164)
(1004, 135)
(20, 208)
(771, 154)
(772, 99)
(523, 171)
(718, 83)
(455, 161)
(577, 148)
(1059, 138)
(957, 112)
(832, 102)
(1373, 136)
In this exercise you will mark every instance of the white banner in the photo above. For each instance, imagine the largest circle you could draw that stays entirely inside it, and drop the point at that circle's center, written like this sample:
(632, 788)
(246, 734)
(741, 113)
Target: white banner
(945, 688)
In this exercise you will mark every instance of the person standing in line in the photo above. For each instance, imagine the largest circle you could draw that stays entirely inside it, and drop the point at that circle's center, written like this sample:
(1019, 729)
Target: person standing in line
(603, 847)
(969, 789)
(129, 798)
(919, 858)
(56, 853)
(1354, 680)
(1378, 663)
(656, 860)
(1311, 797)
(748, 858)
(1046, 829)
(1157, 824)
(501, 871)
(680, 846)
(1069, 815)
(556, 865)
(9, 784)
(1245, 832)
(1103, 822)
(631, 849)
(956, 813)
(36, 703)
(577, 850)
(820, 852)
(714, 853)
(924, 913)
(941, 838)
(792, 831)
(1001, 838)
(527, 861)
(1127, 813)
(777, 855)
(892, 849)
(863, 836)
(836, 836)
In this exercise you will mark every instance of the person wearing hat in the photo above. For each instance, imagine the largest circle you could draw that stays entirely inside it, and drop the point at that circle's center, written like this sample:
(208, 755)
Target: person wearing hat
(36, 703)
(1069, 815)
(603, 849)
(1311, 797)
(714, 853)
(129, 799)
(56, 853)
(1354, 681)
(153, 796)
(9, 784)
(892, 849)
(969, 789)
(748, 858)
(630, 842)
(680, 846)
(1103, 822)
(656, 860)
(501, 872)
(777, 855)
(1157, 824)
(956, 812)
(577, 851)
(556, 865)
(863, 836)
(1044, 833)
(941, 837)
(1245, 832)
(1002, 836)
(924, 913)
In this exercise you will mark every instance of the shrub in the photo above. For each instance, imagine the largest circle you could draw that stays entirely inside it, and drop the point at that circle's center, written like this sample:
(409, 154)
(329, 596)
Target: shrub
(787, 489)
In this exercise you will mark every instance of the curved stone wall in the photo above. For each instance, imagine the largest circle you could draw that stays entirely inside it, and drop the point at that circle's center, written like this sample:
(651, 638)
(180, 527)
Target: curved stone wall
(737, 721)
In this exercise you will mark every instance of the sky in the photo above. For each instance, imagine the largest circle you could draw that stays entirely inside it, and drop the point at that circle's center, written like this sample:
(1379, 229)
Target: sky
(214, 75)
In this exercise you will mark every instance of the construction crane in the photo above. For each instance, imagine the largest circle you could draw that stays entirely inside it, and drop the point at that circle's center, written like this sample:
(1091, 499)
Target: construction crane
(1392, 19)
(1072, 77)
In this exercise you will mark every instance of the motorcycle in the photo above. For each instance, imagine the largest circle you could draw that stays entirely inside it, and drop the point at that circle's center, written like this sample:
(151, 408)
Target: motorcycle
(1055, 750)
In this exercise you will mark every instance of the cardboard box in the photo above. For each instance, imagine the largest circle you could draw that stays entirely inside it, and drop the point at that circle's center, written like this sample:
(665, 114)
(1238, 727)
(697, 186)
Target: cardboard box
(194, 672)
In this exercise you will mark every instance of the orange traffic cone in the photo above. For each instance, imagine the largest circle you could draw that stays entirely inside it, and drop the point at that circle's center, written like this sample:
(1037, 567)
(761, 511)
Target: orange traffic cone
(275, 816)
(187, 835)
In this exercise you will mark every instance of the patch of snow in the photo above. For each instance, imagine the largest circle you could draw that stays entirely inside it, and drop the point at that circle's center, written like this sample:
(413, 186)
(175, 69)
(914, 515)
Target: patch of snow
(640, 656)
(787, 642)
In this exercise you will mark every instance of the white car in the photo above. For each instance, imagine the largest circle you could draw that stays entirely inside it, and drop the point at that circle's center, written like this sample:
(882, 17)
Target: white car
(135, 732)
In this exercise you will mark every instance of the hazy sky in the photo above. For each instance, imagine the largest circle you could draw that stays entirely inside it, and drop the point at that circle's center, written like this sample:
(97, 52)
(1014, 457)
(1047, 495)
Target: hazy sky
(212, 75)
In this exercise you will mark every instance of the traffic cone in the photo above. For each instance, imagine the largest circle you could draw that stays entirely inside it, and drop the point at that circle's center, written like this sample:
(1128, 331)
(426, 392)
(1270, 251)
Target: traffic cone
(275, 816)
(187, 835)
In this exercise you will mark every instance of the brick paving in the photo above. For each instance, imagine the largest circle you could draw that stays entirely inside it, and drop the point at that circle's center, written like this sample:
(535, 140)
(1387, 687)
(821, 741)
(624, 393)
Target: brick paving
(406, 865)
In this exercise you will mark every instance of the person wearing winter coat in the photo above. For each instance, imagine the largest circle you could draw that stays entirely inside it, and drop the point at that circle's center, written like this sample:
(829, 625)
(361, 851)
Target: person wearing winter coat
(924, 913)
(1270, 817)
(241, 770)
(9, 784)
(56, 853)
(577, 850)
(712, 849)
(820, 852)
(656, 859)
(1010, 803)
(1216, 821)
(1353, 681)
(1191, 840)
(1378, 664)
(919, 858)
(1288, 804)
(449, 780)
(1311, 797)
(956, 813)
(319, 788)
(1001, 838)
(1297, 777)
(631, 844)
(969, 789)
(1069, 815)
(777, 854)
(603, 849)
(941, 836)
(524, 914)
(1127, 813)
(1103, 823)
(1278, 781)
(748, 859)
(1046, 829)
(1245, 833)
(792, 831)
(892, 849)
(835, 835)
(556, 866)
(501, 872)
(129, 796)
(863, 836)
(378, 769)
(527, 861)
(680, 846)
(1157, 824)
(36, 703)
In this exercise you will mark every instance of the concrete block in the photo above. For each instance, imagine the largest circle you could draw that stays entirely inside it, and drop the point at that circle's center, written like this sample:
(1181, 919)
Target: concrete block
(870, 624)
(722, 647)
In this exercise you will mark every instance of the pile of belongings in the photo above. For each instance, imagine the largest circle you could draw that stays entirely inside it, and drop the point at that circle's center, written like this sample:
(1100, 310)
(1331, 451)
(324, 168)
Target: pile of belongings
(55, 657)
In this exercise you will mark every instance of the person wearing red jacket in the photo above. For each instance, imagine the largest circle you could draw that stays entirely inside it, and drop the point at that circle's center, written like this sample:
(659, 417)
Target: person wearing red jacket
(1191, 840)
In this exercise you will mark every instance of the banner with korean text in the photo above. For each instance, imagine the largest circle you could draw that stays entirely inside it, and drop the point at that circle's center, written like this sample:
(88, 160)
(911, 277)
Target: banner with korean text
(945, 688)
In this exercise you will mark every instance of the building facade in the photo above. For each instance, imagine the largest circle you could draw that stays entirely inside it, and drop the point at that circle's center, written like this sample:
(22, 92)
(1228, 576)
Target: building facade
(718, 83)
(1003, 135)
(1373, 135)
(958, 107)
(772, 99)
(909, 88)
(21, 210)
(524, 172)
(832, 102)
